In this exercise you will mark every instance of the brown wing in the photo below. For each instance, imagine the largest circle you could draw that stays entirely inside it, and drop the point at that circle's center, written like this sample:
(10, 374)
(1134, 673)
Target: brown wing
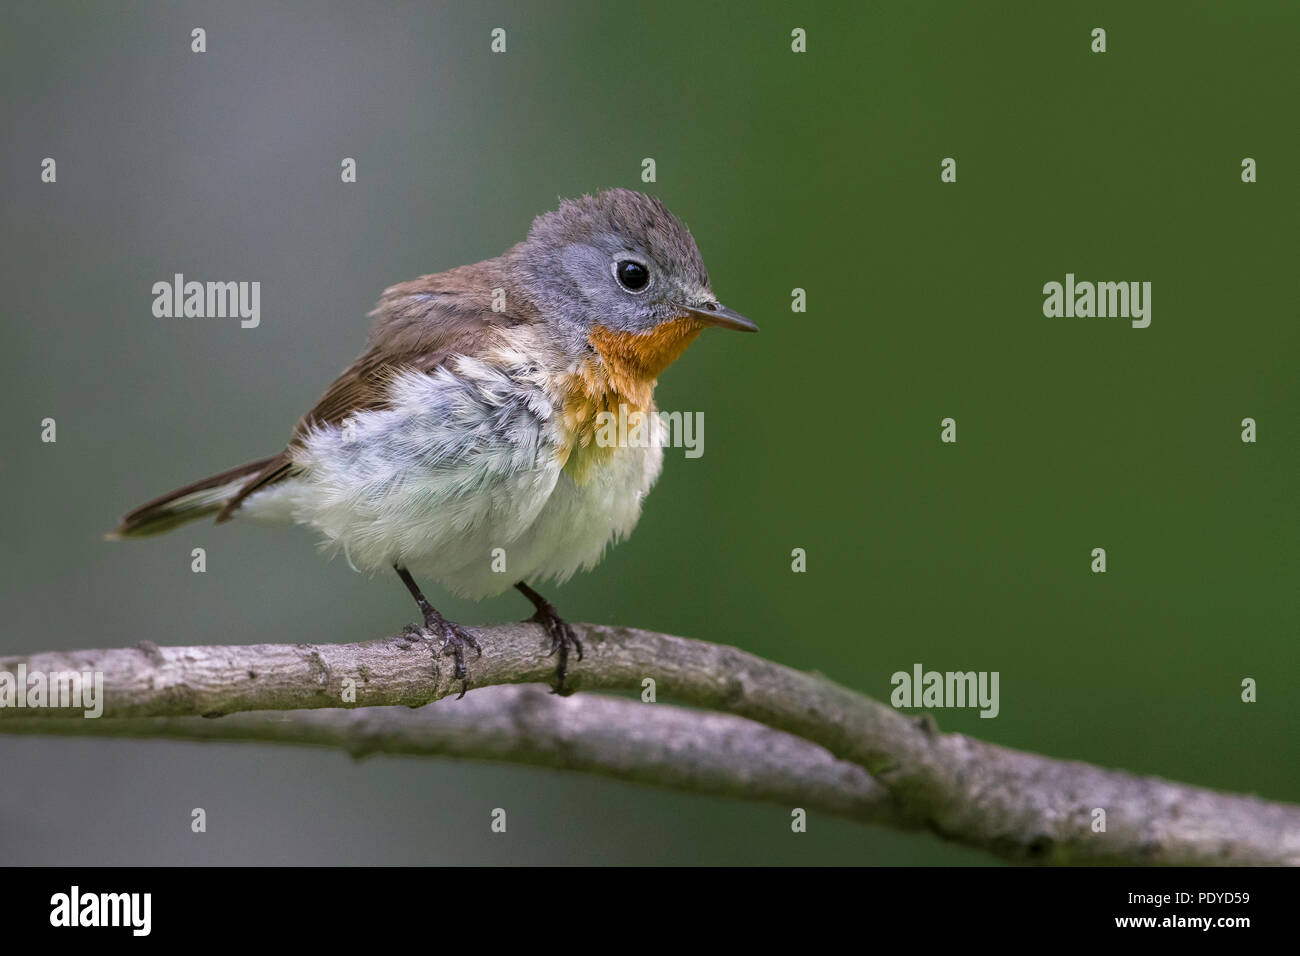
(418, 325)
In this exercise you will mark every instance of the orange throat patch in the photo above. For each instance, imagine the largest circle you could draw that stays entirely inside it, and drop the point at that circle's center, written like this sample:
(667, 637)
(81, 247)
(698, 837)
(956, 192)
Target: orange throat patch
(626, 373)
(633, 362)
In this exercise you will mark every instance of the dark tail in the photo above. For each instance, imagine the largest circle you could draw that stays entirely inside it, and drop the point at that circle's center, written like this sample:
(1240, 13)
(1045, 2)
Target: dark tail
(201, 498)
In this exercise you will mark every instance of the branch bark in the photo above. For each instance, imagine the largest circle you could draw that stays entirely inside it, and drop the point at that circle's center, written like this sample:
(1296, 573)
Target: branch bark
(1018, 805)
(665, 746)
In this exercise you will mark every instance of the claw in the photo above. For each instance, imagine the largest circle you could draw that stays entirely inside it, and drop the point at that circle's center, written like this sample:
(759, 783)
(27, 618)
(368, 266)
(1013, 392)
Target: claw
(454, 639)
(453, 635)
(562, 637)
(556, 628)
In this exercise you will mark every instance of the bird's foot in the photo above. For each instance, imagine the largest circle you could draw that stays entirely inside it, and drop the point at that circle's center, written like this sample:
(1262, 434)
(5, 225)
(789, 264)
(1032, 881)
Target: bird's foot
(454, 639)
(562, 638)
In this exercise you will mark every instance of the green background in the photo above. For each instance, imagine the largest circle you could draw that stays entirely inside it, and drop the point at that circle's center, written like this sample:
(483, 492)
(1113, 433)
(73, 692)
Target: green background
(818, 171)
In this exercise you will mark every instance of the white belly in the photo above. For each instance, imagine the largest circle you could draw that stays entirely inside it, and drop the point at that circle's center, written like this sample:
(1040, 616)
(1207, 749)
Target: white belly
(578, 522)
(461, 481)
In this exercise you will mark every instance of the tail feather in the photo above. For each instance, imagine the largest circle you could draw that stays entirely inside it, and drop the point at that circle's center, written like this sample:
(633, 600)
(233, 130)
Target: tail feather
(205, 497)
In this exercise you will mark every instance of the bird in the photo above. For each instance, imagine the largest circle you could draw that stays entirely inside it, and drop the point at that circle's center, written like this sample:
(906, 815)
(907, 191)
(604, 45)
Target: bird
(470, 421)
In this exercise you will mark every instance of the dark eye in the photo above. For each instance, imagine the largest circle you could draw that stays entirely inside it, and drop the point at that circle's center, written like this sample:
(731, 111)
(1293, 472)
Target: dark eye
(631, 274)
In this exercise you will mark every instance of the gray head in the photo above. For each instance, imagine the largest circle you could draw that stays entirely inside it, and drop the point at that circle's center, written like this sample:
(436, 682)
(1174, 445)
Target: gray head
(618, 259)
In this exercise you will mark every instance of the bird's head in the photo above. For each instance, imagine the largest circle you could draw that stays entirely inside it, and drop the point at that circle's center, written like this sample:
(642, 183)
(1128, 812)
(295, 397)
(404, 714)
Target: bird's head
(623, 272)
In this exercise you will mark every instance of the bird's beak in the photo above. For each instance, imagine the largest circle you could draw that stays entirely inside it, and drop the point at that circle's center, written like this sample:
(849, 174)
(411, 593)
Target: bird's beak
(715, 313)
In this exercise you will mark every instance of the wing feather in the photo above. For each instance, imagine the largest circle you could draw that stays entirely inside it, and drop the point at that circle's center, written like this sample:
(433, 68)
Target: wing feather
(418, 325)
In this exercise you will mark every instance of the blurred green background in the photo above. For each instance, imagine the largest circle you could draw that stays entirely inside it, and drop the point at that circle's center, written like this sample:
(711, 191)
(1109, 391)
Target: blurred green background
(818, 171)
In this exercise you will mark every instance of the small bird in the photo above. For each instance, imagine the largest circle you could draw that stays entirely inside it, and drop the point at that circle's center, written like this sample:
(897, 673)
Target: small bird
(470, 421)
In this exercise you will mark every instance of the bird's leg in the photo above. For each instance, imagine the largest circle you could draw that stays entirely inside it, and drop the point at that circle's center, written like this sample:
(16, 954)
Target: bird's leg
(557, 628)
(453, 635)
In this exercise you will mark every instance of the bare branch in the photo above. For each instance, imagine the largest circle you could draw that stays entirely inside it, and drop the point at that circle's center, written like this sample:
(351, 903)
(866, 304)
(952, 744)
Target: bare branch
(660, 745)
(1019, 805)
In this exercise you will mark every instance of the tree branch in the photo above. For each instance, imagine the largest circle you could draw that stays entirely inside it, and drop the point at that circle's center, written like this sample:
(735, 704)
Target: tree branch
(664, 746)
(1018, 805)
